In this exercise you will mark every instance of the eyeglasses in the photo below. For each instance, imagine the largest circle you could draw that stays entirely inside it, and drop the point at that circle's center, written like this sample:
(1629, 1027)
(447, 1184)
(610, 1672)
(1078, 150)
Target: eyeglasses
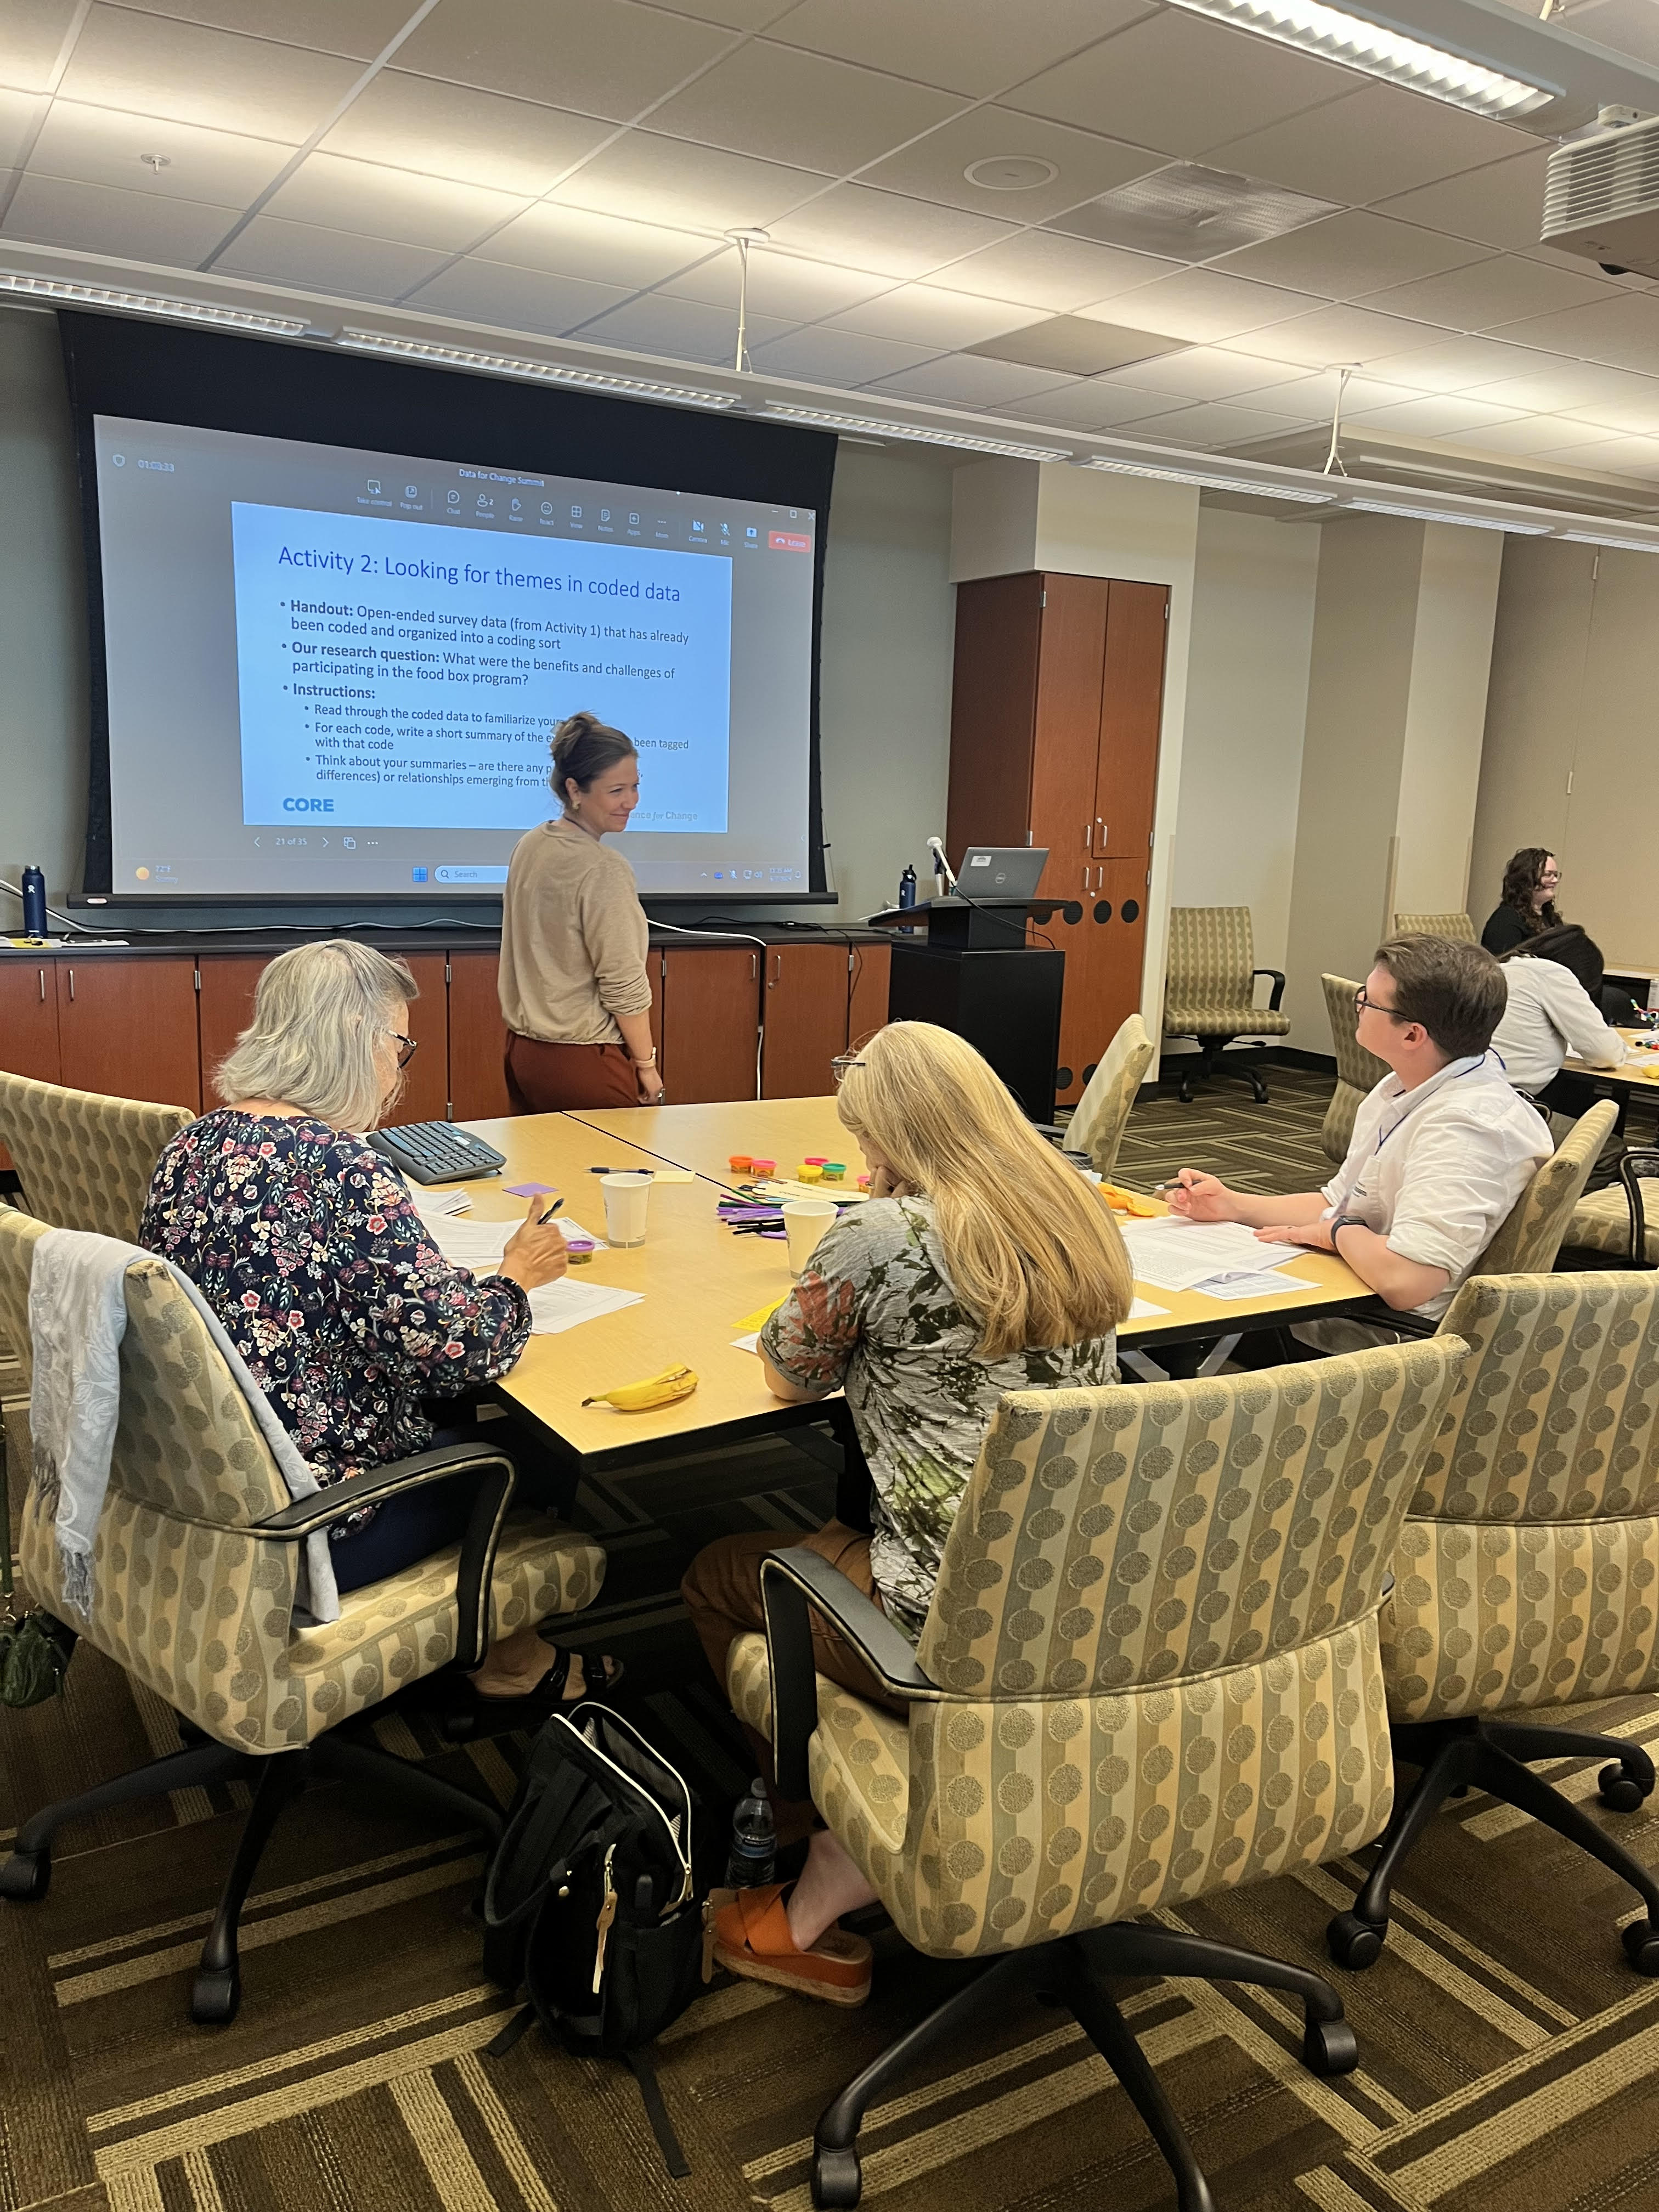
(839, 1065)
(1361, 1002)
(411, 1046)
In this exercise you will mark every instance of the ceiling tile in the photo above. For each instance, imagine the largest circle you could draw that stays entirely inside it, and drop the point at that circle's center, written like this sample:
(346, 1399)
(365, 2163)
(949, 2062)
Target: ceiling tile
(20, 114)
(787, 106)
(973, 46)
(478, 291)
(1205, 373)
(1371, 144)
(645, 177)
(1315, 396)
(684, 330)
(1500, 290)
(1635, 417)
(603, 57)
(1214, 425)
(452, 131)
(882, 230)
(825, 357)
(35, 31)
(160, 67)
(1333, 335)
(324, 260)
(96, 218)
(1572, 387)
(1624, 333)
(1085, 164)
(1068, 344)
(359, 28)
(1182, 83)
(928, 315)
(963, 379)
(1192, 213)
(103, 146)
(1443, 416)
(780, 284)
(1618, 457)
(1348, 255)
(381, 202)
(599, 249)
(1044, 269)
(1502, 204)
(736, 15)
(1537, 434)
(1443, 364)
(1200, 305)
(1096, 402)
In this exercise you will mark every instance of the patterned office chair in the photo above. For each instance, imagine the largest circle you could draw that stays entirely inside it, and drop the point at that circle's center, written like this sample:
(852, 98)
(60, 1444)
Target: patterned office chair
(1358, 1072)
(1210, 988)
(1437, 925)
(194, 1576)
(85, 1161)
(1096, 1129)
(1624, 1218)
(1537, 1225)
(1150, 1670)
(1526, 1572)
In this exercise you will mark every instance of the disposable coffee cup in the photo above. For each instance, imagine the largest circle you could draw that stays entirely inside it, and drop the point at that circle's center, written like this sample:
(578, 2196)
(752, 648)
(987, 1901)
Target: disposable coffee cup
(625, 1199)
(805, 1220)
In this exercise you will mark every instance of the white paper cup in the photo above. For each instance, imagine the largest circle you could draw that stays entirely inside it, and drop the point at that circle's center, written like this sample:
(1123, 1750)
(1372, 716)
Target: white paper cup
(805, 1220)
(625, 1199)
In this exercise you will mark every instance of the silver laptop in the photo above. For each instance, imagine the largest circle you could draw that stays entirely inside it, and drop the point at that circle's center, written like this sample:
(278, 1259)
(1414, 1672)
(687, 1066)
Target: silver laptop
(1002, 871)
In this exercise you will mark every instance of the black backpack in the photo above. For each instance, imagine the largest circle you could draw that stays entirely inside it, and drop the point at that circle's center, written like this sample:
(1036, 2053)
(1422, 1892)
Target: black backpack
(589, 1900)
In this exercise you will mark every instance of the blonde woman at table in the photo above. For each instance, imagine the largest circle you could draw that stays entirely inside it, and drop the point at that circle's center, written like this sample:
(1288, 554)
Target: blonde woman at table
(574, 990)
(982, 1263)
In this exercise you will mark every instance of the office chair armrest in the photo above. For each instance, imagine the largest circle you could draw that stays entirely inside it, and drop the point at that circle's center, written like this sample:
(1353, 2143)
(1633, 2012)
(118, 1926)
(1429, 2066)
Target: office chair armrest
(477, 1564)
(1635, 1164)
(795, 1584)
(1278, 975)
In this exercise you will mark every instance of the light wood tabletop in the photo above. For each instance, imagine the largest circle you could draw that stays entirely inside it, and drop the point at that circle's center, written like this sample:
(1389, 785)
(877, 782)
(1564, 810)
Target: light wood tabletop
(704, 1137)
(1640, 1070)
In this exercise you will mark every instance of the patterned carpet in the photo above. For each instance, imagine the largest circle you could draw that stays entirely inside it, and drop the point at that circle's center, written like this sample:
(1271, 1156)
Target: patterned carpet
(1510, 2059)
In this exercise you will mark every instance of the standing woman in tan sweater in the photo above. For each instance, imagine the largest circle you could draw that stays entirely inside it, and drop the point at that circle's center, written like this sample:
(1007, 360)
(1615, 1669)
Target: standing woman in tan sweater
(574, 994)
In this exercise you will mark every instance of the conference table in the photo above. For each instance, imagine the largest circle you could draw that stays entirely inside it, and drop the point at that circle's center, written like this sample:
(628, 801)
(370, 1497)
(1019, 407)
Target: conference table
(703, 1286)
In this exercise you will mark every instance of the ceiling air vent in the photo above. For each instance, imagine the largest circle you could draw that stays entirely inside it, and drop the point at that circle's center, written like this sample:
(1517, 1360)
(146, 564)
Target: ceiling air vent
(1601, 199)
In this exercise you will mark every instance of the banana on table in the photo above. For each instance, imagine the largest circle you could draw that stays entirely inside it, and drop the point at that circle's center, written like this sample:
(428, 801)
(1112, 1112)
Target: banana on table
(673, 1382)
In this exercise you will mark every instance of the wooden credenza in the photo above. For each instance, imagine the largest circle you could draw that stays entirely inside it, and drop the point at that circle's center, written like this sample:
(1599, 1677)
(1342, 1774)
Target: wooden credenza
(1055, 711)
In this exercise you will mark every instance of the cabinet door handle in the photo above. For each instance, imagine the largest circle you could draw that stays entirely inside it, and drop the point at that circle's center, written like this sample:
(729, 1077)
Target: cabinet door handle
(777, 976)
(754, 967)
(1088, 833)
(43, 986)
(71, 977)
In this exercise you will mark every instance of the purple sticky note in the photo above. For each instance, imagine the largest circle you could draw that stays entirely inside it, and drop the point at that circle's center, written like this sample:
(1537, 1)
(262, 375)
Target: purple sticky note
(530, 1189)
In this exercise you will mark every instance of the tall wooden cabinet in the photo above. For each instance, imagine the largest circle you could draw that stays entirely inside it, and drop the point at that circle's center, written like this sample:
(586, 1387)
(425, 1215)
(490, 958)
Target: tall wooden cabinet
(1055, 711)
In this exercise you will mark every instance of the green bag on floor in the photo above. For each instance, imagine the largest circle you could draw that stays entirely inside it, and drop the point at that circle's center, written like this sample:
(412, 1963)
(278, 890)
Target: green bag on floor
(35, 1647)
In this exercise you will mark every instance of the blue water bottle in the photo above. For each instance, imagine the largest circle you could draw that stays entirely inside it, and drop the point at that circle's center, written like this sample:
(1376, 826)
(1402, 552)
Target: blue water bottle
(907, 886)
(34, 903)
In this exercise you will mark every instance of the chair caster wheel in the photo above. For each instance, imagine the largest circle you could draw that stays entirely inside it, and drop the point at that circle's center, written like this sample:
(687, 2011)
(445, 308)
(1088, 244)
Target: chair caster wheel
(1642, 1947)
(838, 2178)
(1355, 1944)
(1329, 2047)
(26, 1876)
(1618, 1791)
(214, 1996)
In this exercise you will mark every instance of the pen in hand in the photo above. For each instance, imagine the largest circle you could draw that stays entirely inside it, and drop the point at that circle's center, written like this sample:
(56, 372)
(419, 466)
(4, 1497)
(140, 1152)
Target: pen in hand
(547, 1216)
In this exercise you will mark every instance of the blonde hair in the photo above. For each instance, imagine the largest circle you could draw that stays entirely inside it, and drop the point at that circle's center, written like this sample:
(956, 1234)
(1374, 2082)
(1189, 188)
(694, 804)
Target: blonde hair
(1029, 1249)
(317, 1013)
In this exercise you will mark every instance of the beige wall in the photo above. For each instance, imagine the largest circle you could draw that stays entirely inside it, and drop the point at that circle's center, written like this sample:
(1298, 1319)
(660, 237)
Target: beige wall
(1572, 737)
(1445, 717)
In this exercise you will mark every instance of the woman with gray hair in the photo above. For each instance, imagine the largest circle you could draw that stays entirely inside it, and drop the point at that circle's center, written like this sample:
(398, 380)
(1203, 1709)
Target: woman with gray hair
(305, 1243)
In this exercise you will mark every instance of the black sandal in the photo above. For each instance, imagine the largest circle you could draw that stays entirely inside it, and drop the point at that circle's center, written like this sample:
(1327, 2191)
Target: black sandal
(480, 1714)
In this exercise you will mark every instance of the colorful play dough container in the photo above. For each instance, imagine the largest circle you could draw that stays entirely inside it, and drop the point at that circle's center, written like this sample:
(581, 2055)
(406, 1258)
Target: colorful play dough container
(740, 1163)
(763, 1167)
(810, 1171)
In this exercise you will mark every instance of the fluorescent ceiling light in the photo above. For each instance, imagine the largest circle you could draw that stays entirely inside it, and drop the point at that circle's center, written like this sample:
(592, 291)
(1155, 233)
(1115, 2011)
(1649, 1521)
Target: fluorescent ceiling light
(533, 372)
(152, 303)
(1441, 514)
(1620, 545)
(917, 432)
(1359, 44)
(1256, 486)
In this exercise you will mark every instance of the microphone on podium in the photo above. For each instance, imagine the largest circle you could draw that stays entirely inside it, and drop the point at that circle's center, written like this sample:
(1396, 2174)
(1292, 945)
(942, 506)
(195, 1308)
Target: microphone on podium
(941, 866)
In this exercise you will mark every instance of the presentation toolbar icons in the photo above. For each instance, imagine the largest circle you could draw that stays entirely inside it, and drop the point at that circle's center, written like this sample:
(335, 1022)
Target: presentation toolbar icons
(454, 498)
(374, 484)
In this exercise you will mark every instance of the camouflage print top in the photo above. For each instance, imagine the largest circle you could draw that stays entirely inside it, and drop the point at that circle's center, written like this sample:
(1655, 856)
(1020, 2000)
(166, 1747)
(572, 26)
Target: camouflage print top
(876, 1314)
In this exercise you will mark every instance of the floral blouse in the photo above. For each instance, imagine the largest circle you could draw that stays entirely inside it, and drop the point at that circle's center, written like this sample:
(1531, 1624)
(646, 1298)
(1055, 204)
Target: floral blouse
(876, 1313)
(306, 1244)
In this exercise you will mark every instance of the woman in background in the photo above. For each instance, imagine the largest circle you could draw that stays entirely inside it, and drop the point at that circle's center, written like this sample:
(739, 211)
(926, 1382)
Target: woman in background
(982, 1263)
(573, 990)
(1555, 992)
(1527, 902)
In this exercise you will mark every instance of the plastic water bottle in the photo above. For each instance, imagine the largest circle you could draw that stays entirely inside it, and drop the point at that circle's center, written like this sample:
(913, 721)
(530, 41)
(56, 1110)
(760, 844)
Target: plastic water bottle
(754, 1843)
(34, 903)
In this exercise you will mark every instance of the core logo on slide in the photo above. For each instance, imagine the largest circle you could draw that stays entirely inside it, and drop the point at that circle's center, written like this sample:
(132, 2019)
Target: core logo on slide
(413, 671)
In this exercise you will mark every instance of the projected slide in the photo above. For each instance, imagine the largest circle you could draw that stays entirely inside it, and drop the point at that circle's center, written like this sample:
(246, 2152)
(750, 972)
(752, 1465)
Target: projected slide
(405, 675)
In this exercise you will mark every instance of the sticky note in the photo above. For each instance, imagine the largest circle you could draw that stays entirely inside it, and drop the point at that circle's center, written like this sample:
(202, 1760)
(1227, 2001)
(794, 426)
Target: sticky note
(530, 1189)
(761, 1315)
(673, 1175)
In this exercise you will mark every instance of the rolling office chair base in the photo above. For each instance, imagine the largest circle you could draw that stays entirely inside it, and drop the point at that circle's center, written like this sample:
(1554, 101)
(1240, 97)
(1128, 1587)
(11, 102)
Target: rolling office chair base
(216, 1991)
(1213, 1059)
(1073, 1972)
(1493, 1755)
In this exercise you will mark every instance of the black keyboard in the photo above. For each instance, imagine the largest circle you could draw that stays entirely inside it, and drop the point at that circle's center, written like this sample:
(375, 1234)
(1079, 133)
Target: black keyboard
(437, 1152)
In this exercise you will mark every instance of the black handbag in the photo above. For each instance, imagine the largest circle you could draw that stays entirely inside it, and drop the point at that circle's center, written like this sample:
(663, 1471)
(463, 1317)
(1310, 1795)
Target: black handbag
(36, 1646)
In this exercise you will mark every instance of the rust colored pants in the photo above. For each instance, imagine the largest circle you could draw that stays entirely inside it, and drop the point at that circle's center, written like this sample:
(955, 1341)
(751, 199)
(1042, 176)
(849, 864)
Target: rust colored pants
(547, 1078)
(722, 1594)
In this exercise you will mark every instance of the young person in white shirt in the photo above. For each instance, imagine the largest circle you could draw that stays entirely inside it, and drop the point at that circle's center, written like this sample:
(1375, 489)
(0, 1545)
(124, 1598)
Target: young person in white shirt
(1442, 1148)
(1554, 981)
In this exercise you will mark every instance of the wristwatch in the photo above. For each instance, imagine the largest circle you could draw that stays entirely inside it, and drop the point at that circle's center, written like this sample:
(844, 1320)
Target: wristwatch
(1344, 1221)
